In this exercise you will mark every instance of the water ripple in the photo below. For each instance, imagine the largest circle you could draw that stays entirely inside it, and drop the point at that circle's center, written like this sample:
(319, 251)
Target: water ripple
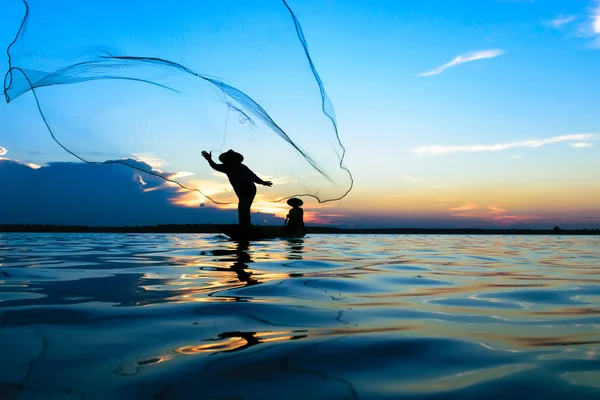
(325, 317)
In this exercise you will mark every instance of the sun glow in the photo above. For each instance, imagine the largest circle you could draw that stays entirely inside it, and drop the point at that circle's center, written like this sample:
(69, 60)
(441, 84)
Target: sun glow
(192, 198)
(262, 204)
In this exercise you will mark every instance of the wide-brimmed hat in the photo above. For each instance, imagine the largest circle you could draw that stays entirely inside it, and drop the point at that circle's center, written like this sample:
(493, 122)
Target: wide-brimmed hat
(295, 202)
(232, 157)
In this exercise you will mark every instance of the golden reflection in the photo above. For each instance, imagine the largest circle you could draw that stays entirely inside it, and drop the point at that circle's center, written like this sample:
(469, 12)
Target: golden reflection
(235, 341)
(567, 311)
(134, 368)
(154, 360)
(229, 269)
(228, 344)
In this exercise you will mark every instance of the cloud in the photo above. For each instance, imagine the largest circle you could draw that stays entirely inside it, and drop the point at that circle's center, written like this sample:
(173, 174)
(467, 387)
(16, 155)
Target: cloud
(595, 17)
(181, 174)
(465, 58)
(482, 217)
(437, 150)
(34, 166)
(493, 213)
(99, 195)
(588, 25)
(466, 207)
(583, 25)
(590, 28)
(150, 160)
(561, 21)
(581, 144)
(3, 151)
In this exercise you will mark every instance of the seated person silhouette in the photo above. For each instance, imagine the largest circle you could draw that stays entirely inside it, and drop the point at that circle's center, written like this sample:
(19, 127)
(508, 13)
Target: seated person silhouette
(294, 221)
(242, 180)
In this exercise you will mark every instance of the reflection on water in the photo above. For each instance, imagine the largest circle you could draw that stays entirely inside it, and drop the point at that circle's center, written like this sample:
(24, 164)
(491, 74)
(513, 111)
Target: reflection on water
(325, 317)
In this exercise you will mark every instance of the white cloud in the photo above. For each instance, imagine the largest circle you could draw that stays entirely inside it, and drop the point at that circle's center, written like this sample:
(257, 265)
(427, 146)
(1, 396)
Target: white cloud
(30, 165)
(149, 159)
(465, 58)
(583, 25)
(596, 19)
(560, 21)
(590, 28)
(181, 174)
(437, 150)
(581, 144)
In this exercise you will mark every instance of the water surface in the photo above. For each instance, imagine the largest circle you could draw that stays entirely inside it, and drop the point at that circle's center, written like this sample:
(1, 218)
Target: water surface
(127, 316)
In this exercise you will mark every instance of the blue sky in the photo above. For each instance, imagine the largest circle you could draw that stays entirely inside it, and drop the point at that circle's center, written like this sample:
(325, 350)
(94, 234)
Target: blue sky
(455, 113)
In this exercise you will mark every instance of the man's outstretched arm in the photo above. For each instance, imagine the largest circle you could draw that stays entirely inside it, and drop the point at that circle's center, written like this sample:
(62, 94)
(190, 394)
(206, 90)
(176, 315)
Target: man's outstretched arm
(261, 182)
(214, 165)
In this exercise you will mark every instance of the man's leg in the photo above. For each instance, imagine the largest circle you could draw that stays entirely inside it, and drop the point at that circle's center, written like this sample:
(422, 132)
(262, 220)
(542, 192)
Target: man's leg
(244, 205)
(244, 212)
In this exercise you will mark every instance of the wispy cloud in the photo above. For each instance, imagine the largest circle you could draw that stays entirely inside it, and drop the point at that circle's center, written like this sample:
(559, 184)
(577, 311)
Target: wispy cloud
(584, 24)
(588, 23)
(561, 21)
(437, 150)
(181, 174)
(465, 58)
(149, 159)
(466, 207)
(494, 212)
(595, 17)
(581, 144)
(3, 151)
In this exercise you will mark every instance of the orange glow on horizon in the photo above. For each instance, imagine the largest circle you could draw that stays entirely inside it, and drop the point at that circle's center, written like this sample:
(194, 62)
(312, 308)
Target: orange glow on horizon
(494, 213)
(261, 204)
(491, 204)
(193, 198)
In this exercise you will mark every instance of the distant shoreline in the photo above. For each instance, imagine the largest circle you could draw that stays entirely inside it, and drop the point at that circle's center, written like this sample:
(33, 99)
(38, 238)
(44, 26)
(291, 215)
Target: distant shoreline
(210, 228)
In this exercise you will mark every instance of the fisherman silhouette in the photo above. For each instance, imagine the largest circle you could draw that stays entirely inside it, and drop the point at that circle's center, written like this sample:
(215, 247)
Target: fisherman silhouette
(294, 221)
(242, 180)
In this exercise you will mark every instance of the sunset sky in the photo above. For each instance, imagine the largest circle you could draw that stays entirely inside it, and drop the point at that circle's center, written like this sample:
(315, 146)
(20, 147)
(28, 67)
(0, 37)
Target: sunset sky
(453, 114)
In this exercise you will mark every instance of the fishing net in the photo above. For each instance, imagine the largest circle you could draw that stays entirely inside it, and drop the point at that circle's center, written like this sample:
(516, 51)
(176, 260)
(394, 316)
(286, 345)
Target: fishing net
(160, 81)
